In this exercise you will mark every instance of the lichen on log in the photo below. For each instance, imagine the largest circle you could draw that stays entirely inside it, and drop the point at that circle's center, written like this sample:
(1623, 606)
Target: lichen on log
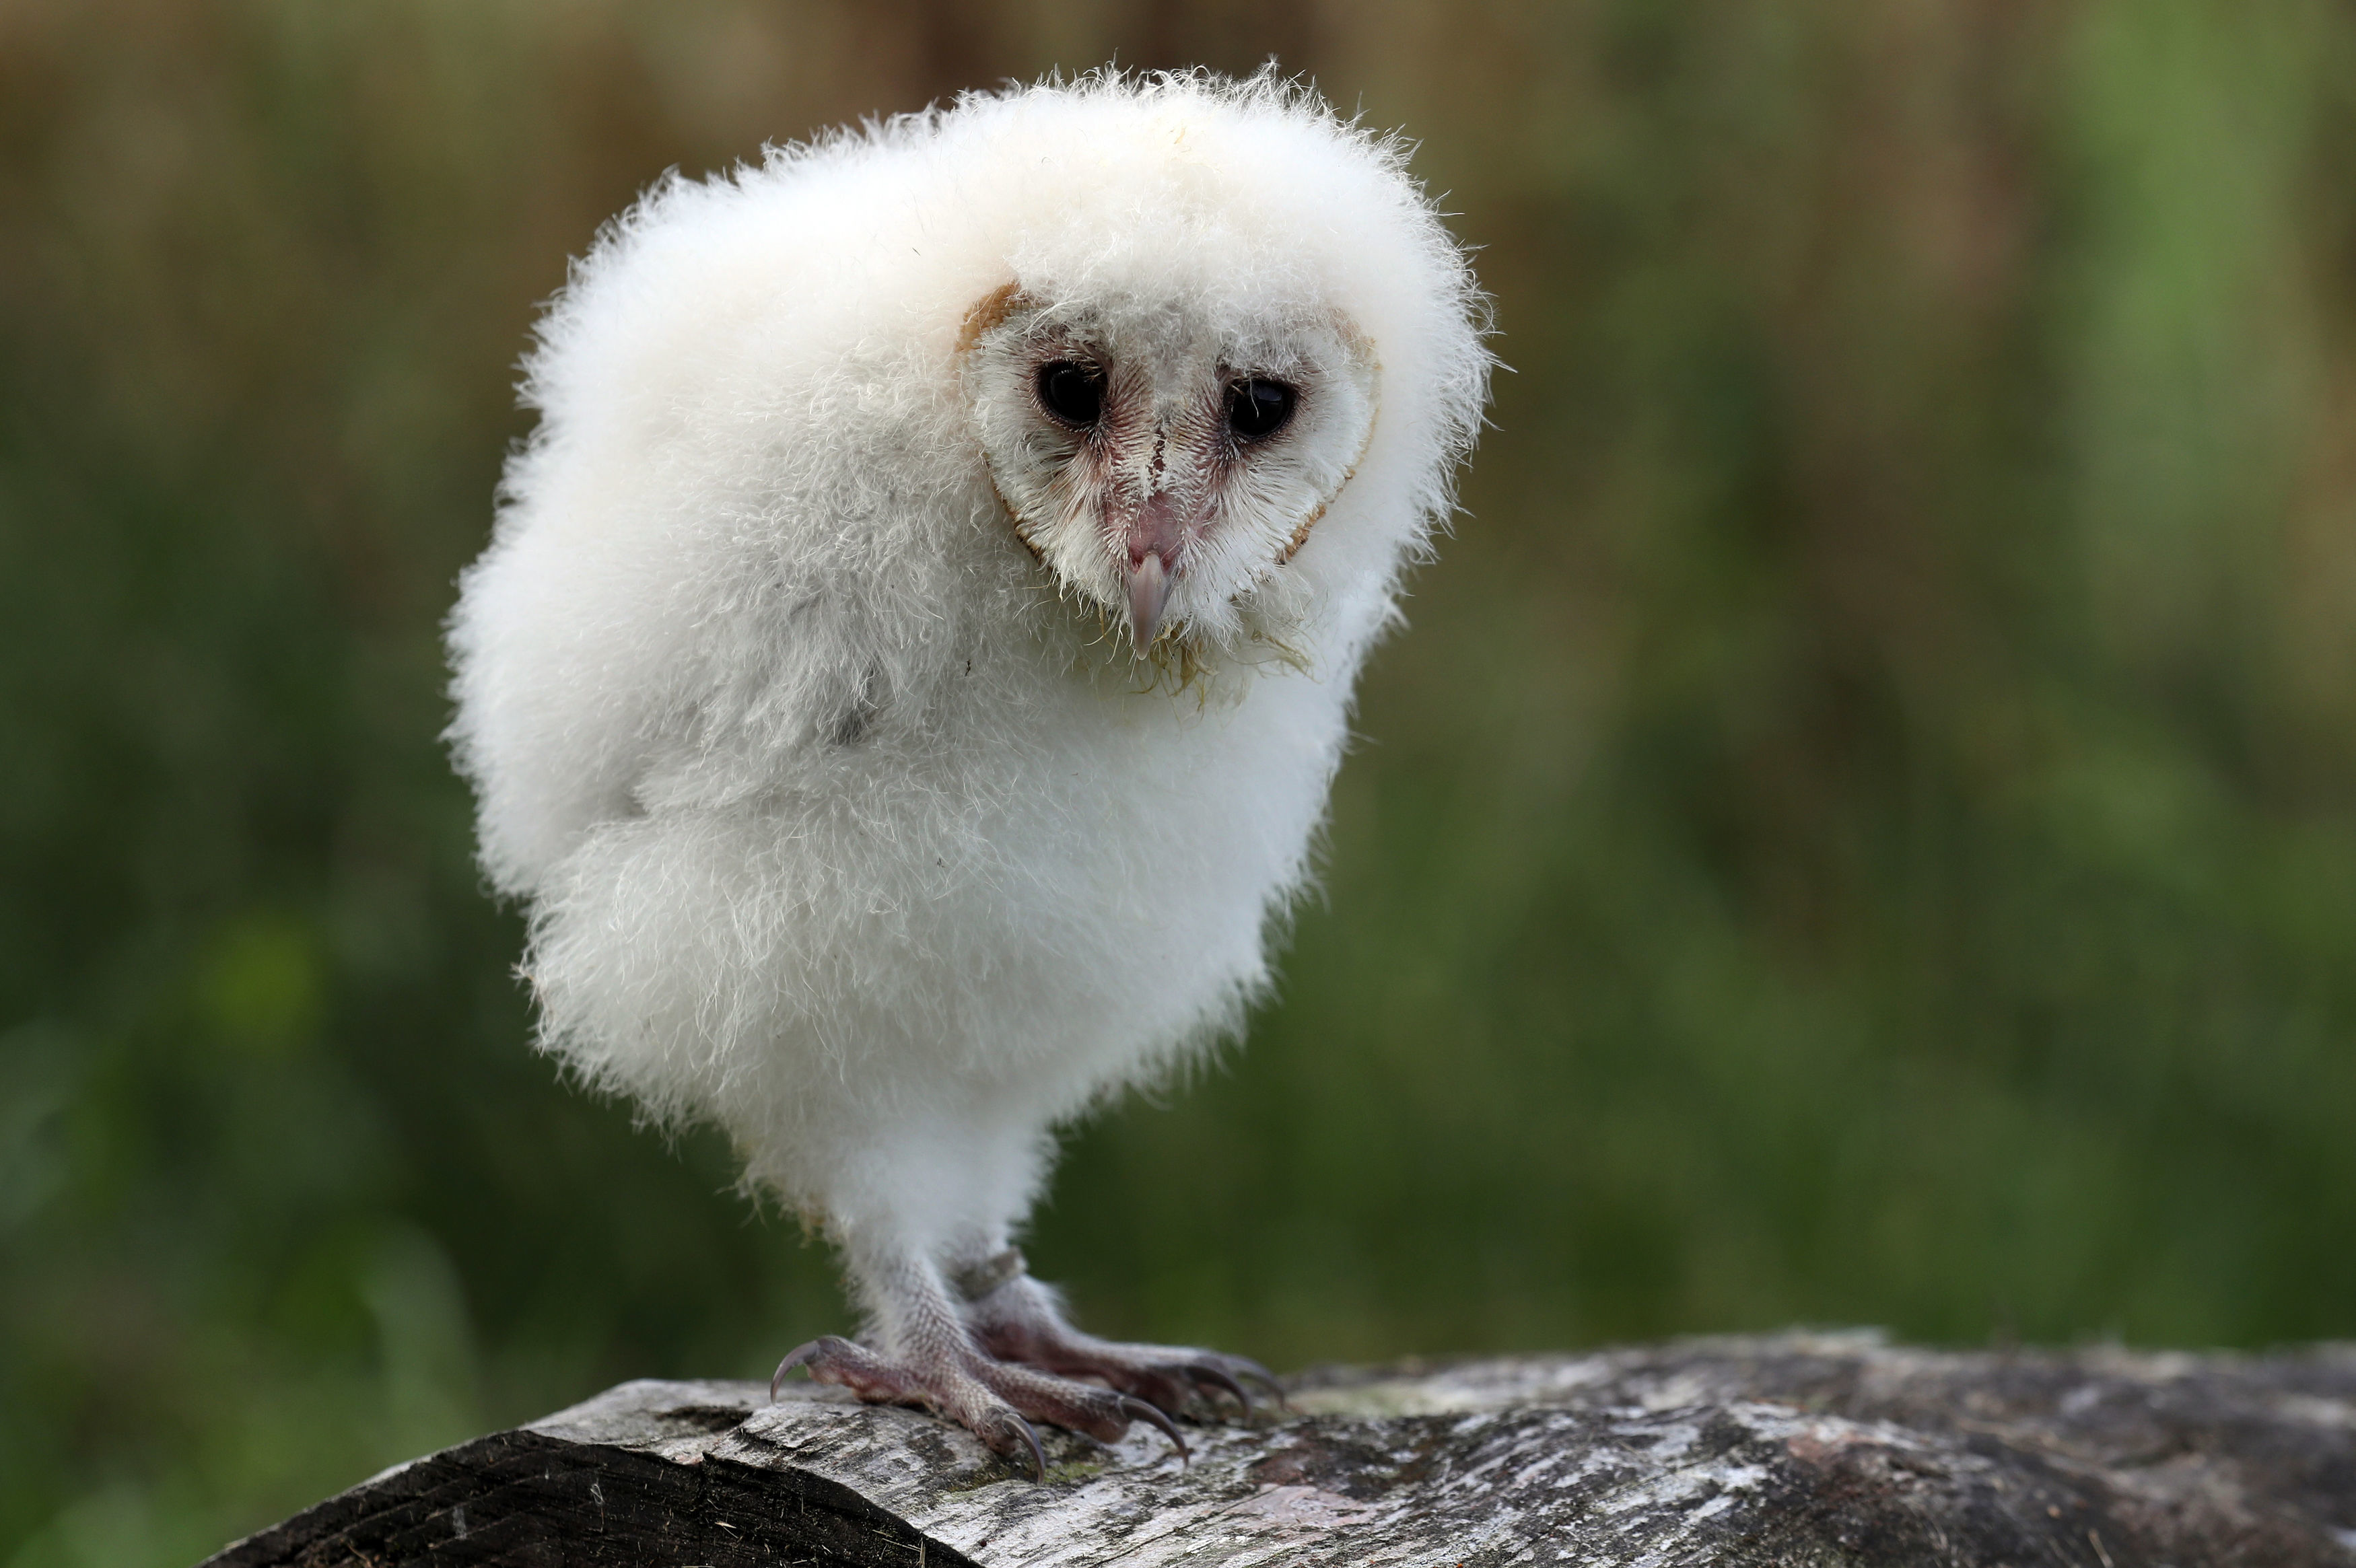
(1816, 1449)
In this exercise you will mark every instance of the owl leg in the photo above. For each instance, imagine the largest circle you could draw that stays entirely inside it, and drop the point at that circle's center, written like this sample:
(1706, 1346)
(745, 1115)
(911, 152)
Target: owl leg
(1019, 1320)
(930, 1359)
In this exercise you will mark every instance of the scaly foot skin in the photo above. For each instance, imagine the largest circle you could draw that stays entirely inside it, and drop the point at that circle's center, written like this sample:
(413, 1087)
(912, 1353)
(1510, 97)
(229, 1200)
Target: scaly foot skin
(1015, 1318)
(994, 1401)
(1003, 1357)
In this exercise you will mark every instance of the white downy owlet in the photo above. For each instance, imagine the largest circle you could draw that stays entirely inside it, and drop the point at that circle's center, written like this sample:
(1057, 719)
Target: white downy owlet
(915, 645)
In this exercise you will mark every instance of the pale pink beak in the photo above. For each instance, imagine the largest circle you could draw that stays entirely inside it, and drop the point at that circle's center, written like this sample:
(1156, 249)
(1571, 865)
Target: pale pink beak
(1157, 535)
(1149, 595)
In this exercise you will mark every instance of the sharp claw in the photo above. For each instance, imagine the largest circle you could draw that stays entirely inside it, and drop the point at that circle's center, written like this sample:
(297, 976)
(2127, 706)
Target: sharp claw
(1139, 1410)
(800, 1356)
(1038, 1455)
(1202, 1372)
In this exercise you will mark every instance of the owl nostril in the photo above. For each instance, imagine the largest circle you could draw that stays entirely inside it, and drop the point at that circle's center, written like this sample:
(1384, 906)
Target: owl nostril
(1159, 529)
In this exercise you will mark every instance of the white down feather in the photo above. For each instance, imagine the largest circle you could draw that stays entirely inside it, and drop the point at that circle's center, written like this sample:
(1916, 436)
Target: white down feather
(839, 826)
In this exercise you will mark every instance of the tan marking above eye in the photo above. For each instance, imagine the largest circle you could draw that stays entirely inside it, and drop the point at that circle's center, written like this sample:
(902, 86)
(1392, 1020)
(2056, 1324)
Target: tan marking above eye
(989, 311)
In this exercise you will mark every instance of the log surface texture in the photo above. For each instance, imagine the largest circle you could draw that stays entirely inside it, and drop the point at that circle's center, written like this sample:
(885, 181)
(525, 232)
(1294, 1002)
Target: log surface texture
(1798, 1449)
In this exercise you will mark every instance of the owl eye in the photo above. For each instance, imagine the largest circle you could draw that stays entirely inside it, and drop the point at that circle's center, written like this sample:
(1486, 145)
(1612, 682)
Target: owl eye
(1257, 409)
(1072, 391)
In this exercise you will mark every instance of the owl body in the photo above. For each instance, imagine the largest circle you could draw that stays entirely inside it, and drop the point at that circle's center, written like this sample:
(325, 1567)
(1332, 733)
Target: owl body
(896, 750)
(887, 975)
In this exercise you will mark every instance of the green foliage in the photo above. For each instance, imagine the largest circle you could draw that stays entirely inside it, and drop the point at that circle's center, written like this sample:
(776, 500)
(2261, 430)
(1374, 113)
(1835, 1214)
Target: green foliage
(1861, 830)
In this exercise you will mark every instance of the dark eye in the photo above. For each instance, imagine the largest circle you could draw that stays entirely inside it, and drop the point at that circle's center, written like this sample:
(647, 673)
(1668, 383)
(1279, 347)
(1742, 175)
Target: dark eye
(1257, 409)
(1072, 391)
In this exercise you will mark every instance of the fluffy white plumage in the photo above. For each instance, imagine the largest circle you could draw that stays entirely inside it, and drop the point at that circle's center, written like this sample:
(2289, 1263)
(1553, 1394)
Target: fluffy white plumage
(899, 749)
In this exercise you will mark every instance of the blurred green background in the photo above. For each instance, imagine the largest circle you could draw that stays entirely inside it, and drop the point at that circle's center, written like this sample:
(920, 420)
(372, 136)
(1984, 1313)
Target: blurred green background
(1862, 830)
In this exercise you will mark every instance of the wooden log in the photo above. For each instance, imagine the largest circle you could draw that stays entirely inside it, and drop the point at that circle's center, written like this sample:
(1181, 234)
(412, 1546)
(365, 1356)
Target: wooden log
(1786, 1450)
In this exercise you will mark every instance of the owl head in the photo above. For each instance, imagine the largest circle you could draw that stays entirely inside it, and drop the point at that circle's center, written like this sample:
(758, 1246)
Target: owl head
(1218, 294)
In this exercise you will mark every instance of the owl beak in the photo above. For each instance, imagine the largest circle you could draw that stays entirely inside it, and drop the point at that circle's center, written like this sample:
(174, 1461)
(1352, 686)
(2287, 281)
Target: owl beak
(1157, 534)
(1148, 596)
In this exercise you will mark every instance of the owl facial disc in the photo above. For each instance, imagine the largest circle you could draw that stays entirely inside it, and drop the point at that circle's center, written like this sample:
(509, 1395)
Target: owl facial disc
(1165, 463)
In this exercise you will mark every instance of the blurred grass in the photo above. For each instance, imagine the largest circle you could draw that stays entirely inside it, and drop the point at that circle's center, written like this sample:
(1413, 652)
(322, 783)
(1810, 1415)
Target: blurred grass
(1863, 828)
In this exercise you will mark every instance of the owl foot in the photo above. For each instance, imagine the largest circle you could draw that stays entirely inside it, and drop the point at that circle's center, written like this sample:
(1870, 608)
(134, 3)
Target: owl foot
(1015, 1318)
(996, 1401)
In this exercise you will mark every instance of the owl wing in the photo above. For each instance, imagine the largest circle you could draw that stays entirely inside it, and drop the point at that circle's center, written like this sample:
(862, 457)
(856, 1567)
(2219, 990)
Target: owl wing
(610, 665)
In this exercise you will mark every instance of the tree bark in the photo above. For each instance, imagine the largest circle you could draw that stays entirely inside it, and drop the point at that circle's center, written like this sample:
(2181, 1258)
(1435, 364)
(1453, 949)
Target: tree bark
(1797, 1449)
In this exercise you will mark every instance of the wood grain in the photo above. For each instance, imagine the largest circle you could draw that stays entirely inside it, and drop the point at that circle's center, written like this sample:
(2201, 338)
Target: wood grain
(1794, 1449)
